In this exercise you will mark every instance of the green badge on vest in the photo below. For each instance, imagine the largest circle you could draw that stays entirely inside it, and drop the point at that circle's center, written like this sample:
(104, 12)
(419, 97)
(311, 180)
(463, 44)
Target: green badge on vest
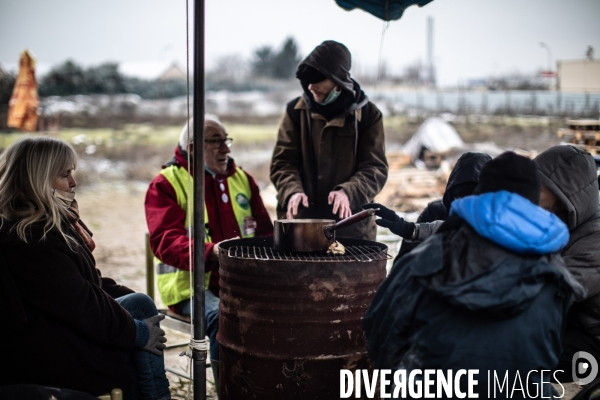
(242, 201)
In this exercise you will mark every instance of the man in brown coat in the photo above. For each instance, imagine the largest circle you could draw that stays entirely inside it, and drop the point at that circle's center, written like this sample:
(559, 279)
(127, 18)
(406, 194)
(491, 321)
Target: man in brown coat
(330, 153)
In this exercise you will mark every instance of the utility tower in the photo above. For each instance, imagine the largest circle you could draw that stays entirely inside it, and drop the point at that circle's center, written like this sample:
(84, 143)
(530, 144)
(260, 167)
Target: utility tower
(431, 81)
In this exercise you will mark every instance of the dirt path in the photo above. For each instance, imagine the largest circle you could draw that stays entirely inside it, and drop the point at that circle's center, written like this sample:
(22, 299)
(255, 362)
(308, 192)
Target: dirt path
(115, 214)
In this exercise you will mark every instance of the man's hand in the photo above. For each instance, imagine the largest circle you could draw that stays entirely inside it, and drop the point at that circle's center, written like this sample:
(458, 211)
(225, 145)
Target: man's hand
(341, 203)
(215, 250)
(391, 220)
(295, 200)
(214, 256)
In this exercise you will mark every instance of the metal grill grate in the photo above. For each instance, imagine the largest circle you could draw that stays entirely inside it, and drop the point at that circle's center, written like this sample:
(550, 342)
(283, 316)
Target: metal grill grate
(353, 253)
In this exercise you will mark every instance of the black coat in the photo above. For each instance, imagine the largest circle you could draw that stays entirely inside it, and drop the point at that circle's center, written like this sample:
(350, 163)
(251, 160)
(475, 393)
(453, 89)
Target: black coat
(461, 182)
(570, 174)
(62, 326)
(462, 301)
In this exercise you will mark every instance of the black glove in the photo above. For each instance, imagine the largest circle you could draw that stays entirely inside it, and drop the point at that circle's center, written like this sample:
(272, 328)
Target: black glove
(391, 220)
(156, 337)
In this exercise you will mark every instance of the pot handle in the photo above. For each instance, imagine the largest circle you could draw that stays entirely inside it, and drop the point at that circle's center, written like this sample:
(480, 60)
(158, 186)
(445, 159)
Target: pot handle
(351, 220)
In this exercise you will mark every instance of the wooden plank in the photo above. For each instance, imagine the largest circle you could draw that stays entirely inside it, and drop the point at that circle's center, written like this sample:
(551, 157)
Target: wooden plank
(584, 124)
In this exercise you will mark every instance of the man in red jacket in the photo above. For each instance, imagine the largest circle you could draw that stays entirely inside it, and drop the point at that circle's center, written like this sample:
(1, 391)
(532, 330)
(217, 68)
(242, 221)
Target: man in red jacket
(233, 208)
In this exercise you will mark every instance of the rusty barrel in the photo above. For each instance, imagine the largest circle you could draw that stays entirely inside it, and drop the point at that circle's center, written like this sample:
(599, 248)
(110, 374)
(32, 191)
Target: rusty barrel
(288, 323)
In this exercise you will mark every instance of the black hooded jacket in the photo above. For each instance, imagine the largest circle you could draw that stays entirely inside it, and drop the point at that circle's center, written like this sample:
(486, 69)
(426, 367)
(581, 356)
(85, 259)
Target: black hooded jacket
(461, 182)
(462, 300)
(466, 171)
(570, 174)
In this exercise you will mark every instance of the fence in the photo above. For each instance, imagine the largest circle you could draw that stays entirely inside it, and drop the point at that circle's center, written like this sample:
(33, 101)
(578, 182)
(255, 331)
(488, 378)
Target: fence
(541, 103)
(419, 103)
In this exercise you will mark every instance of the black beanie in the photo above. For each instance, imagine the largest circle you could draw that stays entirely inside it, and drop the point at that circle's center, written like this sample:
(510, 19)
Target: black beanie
(309, 75)
(513, 173)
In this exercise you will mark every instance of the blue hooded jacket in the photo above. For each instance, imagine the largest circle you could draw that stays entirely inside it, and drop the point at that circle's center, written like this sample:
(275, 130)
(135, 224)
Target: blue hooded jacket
(487, 292)
(513, 222)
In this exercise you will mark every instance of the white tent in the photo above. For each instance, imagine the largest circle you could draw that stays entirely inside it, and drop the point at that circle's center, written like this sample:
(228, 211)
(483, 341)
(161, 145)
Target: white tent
(435, 135)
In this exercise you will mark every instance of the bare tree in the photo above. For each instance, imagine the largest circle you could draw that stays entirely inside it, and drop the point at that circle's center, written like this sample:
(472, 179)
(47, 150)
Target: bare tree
(262, 61)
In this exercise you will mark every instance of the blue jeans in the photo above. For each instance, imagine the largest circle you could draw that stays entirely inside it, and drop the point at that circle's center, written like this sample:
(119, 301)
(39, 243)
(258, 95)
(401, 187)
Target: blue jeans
(211, 314)
(152, 382)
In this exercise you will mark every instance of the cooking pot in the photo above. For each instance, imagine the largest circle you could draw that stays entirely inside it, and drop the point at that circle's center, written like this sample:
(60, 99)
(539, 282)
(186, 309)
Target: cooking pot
(311, 235)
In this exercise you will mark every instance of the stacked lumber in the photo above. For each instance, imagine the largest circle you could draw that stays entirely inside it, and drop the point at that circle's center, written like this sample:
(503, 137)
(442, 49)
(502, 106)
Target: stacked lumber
(583, 133)
(409, 189)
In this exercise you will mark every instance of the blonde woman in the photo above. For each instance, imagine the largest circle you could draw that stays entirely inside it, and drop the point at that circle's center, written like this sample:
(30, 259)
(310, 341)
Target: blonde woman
(69, 326)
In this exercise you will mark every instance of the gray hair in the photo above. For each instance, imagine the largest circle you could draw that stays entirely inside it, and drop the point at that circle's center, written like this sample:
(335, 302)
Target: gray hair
(187, 133)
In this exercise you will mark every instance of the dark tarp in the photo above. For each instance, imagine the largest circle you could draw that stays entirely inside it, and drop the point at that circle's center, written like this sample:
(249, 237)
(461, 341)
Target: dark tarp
(386, 10)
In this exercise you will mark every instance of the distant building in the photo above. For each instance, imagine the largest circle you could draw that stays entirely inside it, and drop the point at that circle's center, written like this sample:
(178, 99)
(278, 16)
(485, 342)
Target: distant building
(173, 73)
(578, 75)
(477, 83)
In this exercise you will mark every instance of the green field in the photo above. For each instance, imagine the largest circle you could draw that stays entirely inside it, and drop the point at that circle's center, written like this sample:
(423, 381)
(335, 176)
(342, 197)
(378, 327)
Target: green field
(505, 131)
(147, 135)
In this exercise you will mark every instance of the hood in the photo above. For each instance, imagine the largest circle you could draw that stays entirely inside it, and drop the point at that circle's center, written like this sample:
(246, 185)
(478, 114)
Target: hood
(570, 173)
(179, 158)
(512, 222)
(333, 60)
(500, 259)
(466, 171)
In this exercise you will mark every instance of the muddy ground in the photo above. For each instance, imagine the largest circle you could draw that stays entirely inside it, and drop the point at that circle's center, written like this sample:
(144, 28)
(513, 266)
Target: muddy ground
(112, 206)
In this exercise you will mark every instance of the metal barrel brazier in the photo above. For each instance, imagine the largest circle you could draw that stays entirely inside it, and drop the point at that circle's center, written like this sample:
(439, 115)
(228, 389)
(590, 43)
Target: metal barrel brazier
(289, 322)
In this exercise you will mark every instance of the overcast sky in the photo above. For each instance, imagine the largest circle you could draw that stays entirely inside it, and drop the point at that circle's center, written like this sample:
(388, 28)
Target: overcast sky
(472, 38)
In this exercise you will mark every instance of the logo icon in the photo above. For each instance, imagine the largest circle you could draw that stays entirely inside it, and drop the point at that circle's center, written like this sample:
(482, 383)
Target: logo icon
(242, 201)
(579, 367)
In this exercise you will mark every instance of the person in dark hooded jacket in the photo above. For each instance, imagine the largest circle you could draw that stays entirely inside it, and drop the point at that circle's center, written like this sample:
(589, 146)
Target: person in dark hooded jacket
(488, 291)
(462, 182)
(329, 158)
(570, 190)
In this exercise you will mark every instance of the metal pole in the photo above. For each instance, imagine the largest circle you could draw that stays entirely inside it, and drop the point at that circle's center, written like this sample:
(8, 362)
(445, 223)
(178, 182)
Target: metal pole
(149, 268)
(542, 44)
(199, 357)
(549, 61)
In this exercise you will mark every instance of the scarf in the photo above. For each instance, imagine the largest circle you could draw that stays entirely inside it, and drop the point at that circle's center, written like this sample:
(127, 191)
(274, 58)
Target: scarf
(68, 200)
(331, 110)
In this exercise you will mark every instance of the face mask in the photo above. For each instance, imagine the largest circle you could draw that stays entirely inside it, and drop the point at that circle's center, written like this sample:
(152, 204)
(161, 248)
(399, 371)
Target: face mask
(66, 198)
(333, 95)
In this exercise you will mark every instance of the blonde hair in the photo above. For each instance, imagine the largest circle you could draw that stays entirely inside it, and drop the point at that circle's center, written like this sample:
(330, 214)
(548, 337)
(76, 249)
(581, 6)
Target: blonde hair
(28, 168)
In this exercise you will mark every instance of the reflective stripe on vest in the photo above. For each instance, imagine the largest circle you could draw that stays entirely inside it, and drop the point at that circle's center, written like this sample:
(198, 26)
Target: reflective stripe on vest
(173, 283)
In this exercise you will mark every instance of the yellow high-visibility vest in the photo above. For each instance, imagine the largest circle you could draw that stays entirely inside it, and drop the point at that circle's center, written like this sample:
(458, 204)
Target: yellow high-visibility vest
(173, 283)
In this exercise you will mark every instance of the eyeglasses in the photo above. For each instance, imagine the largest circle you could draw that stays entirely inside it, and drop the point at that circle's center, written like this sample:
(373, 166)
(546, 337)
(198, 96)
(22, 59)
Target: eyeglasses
(217, 143)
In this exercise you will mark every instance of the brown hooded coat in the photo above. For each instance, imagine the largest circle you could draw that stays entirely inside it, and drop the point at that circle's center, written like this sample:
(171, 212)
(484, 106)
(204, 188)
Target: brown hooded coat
(331, 156)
